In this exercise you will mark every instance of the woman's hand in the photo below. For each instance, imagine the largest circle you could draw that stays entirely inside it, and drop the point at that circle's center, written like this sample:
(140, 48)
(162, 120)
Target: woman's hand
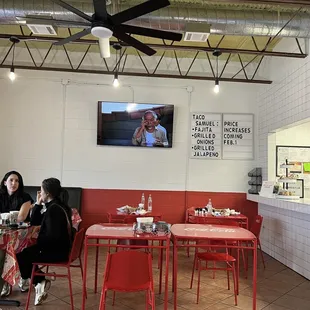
(39, 199)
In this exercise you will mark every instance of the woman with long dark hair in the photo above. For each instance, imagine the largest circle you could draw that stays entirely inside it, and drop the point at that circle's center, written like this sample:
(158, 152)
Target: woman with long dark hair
(13, 198)
(55, 236)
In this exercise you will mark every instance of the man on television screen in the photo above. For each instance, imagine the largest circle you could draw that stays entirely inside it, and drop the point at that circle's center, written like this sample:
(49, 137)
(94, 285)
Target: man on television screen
(148, 134)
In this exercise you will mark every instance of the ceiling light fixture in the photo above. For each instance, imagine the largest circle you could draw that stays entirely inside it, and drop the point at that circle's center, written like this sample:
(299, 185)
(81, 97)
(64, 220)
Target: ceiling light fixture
(12, 75)
(117, 48)
(216, 88)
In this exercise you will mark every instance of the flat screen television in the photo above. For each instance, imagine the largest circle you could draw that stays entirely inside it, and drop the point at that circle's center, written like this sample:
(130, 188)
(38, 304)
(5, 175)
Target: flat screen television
(135, 124)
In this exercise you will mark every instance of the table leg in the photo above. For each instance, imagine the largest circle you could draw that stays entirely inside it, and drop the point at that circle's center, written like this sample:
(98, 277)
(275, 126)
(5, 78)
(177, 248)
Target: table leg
(85, 272)
(161, 265)
(96, 267)
(175, 271)
(238, 267)
(254, 272)
(173, 267)
(167, 274)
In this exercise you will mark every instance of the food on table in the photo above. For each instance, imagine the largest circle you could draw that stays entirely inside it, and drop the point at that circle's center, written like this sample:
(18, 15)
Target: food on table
(126, 209)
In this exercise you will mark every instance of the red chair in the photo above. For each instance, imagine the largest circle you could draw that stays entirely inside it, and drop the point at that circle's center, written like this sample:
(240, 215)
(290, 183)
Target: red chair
(215, 257)
(75, 254)
(255, 229)
(220, 221)
(128, 271)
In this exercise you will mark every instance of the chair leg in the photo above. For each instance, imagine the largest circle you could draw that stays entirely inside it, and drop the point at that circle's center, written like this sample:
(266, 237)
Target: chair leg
(70, 289)
(102, 300)
(160, 253)
(214, 266)
(193, 271)
(113, 301)
(187, 249)
(153, 300)
(81, 267)
(30, 287)
(244, 264)
(198, 283)
(235, 282)
(261, 252)
(152, 249)
(147, 300)
(96, 266)
(228, 277)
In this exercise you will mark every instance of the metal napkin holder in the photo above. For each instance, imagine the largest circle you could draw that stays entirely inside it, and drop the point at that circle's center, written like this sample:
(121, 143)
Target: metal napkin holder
(152, 228)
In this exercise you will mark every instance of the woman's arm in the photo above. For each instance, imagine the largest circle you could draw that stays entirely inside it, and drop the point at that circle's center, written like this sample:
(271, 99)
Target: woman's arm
(24, 211)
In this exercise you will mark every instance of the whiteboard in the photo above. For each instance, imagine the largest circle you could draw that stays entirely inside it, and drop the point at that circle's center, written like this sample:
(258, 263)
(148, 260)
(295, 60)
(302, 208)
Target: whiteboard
(238, 138)
(206, 135)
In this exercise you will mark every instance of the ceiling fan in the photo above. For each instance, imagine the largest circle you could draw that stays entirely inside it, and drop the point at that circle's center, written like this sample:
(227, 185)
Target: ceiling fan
(103, 26)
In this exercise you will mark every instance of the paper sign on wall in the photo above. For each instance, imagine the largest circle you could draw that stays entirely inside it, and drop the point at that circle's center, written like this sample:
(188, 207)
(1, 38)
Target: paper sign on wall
(206, 135)
(238, 136)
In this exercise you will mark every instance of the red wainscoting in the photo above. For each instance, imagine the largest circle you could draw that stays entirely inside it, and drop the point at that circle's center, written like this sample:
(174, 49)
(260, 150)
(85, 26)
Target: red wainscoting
(171, 204)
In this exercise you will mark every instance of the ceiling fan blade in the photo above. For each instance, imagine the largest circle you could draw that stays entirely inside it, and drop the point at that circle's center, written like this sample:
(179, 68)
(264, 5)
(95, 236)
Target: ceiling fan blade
(134, 42)
(100, 9)
(74, 37)
(104, 47)
(148, 32)
(138, 10)
(73, 9)
(50, 21)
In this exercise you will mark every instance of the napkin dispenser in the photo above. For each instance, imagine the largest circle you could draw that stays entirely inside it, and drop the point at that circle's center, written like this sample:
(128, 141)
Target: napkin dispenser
(154, 228)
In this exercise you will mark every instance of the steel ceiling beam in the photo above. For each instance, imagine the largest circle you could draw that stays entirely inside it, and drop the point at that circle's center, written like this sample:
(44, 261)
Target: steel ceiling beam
(163, 46)
(138, 74)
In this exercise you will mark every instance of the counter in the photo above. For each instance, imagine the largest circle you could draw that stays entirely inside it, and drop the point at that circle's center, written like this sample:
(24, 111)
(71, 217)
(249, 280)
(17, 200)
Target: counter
(285, 233)
(302, 205)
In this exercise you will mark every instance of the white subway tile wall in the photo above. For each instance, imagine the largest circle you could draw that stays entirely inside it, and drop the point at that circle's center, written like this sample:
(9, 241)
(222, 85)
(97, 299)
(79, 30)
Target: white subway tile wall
(286, 237)
(286, 233)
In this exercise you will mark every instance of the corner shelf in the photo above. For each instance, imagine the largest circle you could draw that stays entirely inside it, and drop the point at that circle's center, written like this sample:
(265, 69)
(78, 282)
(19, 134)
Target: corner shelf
(255, 181)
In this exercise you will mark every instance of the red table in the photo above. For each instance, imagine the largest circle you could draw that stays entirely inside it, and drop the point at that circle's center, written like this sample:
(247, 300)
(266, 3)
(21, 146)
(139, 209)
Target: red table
(220, 220)
(194, 232)
(110, 231)
(14, 241)
(210, 219)
(118, 217)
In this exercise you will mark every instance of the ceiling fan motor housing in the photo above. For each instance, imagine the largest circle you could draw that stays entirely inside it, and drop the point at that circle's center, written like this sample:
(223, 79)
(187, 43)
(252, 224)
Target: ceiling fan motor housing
(100, 30)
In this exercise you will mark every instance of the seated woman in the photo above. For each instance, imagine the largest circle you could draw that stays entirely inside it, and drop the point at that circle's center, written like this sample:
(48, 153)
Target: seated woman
(13, 198)
(54, 239)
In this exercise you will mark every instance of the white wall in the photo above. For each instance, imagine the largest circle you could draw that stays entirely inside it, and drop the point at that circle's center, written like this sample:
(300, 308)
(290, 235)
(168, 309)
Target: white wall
(48, 128)
(295, 135)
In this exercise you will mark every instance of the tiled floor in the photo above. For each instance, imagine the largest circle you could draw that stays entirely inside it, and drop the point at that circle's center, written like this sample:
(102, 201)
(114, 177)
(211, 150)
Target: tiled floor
(279, 288)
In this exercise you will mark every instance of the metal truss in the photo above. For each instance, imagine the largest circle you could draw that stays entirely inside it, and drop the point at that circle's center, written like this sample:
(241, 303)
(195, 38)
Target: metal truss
(109, 69)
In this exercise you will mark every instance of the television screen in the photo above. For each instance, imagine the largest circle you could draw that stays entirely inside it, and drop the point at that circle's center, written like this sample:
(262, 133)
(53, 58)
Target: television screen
(135, 124)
